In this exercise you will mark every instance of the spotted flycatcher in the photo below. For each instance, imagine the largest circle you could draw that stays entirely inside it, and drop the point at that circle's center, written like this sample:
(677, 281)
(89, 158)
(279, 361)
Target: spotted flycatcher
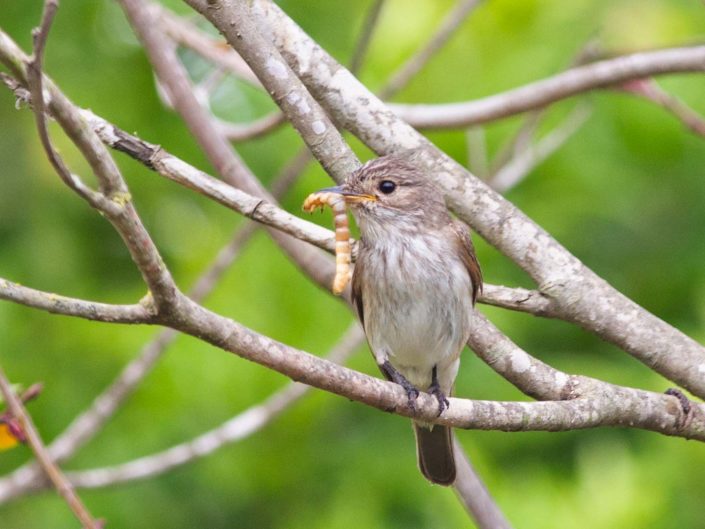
(415, 282)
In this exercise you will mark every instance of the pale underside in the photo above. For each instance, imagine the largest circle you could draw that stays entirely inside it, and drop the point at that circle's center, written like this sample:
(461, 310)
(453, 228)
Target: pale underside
(417, 303)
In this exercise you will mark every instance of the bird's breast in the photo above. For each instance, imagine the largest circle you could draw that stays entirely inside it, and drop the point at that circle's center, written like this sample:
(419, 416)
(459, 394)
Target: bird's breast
(416, 297)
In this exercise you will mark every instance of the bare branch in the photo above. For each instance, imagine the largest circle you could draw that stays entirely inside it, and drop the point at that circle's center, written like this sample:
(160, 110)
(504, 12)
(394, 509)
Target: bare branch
(522, 139)
(648, 89)
(33, 72)
(237, 132)
(474, 494)
(89, 422)
(90, 310)
(304, 112)
(589, 403)
(363, 41)
(533, 155)
(413, 66)
(217, 149)
(575, 81)
(211, 48)
(235, 429)
(581, 296)
(519, 299)
(117, 205)
(530, 301)
(476, 145)
(57, 478)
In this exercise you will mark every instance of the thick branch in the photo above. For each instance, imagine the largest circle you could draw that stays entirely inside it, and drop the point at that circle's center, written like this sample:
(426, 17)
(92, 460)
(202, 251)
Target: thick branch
(235, 429)
(580, 295)
(586, 402)
(304, 112)
(203, 127)
(90, 421)
(156, 158)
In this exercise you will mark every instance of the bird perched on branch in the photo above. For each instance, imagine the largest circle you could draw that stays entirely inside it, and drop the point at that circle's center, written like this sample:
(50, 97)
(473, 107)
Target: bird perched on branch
(415, 283)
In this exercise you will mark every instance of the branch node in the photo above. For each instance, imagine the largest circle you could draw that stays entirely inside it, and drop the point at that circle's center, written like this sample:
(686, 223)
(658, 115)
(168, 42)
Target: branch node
(685, 417)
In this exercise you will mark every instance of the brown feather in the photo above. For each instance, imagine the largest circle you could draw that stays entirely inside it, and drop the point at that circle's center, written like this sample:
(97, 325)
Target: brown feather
(357, 289)
(467, 254)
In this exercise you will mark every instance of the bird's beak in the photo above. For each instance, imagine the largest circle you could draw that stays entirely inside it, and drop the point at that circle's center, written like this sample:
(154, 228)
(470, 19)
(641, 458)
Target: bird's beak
(350, 196)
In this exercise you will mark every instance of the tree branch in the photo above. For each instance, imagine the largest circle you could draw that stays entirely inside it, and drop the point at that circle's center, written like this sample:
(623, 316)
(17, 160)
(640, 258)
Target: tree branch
(538, 94)
(526, 161)
(211, 48)
(363, 41)
(90, 310)
(235, 429)
(287, 91)
(474, 494)
(452, 21)
(157, 159)
(582, 297)
(90, 421)
(57, 478)
(586, 402)
(217, 149)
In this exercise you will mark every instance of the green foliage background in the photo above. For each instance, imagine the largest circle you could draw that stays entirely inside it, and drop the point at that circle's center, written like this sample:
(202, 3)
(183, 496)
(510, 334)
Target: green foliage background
(625, 194)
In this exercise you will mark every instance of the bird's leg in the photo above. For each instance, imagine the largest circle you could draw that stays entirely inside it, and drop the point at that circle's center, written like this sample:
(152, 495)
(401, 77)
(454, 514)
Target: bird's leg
(391, 373)
(435, 390)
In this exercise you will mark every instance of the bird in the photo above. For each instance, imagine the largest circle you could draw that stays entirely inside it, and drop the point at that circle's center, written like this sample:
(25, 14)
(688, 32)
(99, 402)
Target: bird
(414, 285)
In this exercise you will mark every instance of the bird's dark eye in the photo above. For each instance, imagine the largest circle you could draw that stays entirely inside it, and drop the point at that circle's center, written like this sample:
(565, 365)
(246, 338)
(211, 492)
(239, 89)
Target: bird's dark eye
(387, 186)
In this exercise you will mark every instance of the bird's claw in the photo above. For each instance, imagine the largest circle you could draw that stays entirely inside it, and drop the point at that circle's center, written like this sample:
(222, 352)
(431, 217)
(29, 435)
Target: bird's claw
(411, 394)
(443, 402)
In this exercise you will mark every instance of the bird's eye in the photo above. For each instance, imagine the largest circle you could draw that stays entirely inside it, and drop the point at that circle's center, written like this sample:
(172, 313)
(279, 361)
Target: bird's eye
(387, 186)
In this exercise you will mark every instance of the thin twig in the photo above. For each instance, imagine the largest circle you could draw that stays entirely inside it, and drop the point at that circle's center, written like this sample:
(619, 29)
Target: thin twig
(88, 423)
(521, 140)
(113, 200)
(529, 301)
(476, 145)
(238, 132)
(413, 66)
(538, 94)
(474, 494)
(649, 89)
(363, 41)
(57, 478)
(35, 84)
(91, 310)
(526, 161)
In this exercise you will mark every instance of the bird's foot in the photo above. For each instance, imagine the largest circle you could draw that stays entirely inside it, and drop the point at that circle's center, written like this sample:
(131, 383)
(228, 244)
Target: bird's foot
(395, 376)
(435, 390)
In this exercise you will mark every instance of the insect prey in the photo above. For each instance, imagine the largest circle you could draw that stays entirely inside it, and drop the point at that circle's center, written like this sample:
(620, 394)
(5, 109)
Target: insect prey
(343, 252)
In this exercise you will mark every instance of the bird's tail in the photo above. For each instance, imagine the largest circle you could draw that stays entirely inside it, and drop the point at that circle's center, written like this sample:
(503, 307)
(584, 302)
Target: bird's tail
(434, 446)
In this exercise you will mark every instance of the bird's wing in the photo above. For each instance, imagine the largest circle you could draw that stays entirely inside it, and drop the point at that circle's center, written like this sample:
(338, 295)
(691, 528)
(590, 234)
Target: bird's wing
(467, 255)
(357, 289)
